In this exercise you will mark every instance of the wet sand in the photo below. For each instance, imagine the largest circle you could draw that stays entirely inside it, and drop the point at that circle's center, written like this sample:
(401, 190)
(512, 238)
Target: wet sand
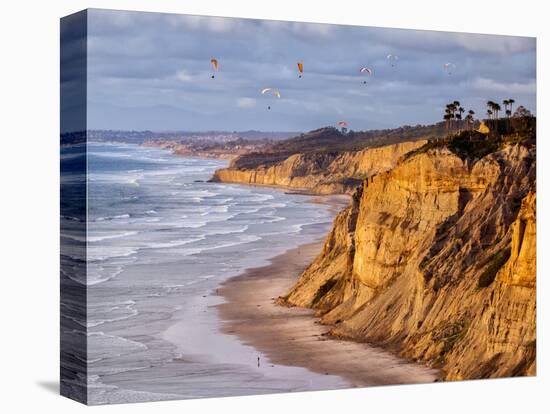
(293, 337)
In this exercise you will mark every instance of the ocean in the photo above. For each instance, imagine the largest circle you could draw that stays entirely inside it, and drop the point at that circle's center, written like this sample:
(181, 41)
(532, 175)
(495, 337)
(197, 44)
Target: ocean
(160, 240)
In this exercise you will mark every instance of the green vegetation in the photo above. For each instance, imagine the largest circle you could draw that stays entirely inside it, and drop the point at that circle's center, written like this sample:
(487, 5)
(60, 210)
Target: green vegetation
(332, 140)
(468, 143)
(472, 145)
(494, 264)
(323, 290)
(450, 333)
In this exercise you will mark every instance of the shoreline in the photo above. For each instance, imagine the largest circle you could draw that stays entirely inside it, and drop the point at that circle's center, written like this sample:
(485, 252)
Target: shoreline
(293, 336)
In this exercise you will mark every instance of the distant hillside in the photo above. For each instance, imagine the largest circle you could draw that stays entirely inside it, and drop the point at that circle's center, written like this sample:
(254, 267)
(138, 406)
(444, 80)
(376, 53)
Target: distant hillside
(332, 141)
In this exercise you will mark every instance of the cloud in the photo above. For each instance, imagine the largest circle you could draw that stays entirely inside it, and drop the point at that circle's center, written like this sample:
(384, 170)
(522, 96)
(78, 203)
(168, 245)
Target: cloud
(153, 60)
(491, 85)
(246, 102)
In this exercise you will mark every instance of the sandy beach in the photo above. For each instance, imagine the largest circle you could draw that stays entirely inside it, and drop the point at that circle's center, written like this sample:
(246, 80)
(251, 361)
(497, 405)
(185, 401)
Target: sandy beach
(293, 337)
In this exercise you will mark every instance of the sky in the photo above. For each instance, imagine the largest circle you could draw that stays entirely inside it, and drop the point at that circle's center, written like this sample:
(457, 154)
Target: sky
(152, 71)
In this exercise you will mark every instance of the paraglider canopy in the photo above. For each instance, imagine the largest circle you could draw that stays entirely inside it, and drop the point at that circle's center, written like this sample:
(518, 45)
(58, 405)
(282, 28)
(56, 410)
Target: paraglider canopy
(272, 91)
(449, 67)
(366, 70)
(392, 59)
(300, 68)
(343, 126)
(214, 63)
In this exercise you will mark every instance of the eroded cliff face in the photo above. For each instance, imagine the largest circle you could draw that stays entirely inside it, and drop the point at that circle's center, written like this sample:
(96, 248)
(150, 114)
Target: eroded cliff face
(321, 173)
(436, 258)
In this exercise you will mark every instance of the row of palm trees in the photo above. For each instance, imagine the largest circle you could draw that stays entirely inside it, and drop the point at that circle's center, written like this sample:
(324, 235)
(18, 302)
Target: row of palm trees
(453, 112)
(494, 108)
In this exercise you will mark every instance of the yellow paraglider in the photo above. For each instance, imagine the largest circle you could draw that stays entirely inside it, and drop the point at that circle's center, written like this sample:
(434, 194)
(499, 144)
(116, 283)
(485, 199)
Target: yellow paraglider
(214, 63)
(300, 68)
(483, 129)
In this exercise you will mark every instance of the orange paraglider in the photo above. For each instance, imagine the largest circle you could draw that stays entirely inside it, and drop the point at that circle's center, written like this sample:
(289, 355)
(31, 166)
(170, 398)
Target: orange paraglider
(214, 63)
(300, 69)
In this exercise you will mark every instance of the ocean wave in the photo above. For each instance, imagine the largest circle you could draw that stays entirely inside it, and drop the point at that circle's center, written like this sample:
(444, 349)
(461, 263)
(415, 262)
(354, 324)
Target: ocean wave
(102, 253)
(126, 307)
(97, 238)
(109, 154)
(119, 216)
(242, 240)
(174, 243)
(227, 231)
(70, 218)
(102, 345)
(72, 155)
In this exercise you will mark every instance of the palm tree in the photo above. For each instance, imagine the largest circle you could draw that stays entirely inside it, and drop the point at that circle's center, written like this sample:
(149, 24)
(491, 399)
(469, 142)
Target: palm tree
(447, 117)
(470, 119)
(459, 117)
(490, 106)
(511, 102)
(456, 105)
(450, 111)
(496, 109)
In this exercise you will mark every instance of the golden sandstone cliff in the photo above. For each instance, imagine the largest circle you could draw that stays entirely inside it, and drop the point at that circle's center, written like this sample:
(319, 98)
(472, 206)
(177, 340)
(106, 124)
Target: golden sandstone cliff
(320, 173)
(435, 258)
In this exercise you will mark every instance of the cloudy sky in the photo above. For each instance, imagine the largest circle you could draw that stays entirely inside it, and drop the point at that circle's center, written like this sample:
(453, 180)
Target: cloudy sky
(152, 71)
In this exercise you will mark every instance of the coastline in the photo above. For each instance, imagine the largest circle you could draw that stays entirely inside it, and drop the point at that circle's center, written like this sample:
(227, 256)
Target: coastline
(293, 336)
(246, 311)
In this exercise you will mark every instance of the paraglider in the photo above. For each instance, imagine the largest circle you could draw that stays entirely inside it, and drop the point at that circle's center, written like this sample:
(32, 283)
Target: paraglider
(300, 68)
(343, 125)
(392, 59)
(272, 91)
(214, 63)
(449, 67)
(366, 70)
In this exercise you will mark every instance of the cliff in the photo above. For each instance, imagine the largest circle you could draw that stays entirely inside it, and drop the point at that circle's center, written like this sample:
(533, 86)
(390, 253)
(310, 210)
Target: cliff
(435, 258)
(317, 172)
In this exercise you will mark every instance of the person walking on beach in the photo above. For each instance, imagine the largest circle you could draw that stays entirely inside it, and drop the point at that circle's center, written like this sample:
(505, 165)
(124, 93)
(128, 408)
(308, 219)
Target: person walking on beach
(258, 361)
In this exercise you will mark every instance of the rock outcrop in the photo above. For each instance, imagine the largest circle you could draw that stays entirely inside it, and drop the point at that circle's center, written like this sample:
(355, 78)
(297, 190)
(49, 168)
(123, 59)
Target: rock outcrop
(320, 173)
(435, 258)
